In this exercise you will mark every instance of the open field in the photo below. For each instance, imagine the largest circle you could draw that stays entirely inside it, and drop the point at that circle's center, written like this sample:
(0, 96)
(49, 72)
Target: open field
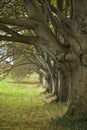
(22, 107)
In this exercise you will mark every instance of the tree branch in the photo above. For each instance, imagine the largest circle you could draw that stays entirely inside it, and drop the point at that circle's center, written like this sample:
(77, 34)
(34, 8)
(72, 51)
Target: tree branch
(62, 17)
(8, 30)
(22, 39)
(29, 23)
(33, 10)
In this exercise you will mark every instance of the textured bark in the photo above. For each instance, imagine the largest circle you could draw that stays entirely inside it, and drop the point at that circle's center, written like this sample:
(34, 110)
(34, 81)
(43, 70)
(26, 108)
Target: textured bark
(60, 4)
(78, 97)
(49, 87)
(78, 104)
(56, 86)
(64, 86)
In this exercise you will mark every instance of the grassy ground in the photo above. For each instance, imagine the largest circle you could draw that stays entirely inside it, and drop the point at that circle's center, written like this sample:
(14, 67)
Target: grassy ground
(22, 107)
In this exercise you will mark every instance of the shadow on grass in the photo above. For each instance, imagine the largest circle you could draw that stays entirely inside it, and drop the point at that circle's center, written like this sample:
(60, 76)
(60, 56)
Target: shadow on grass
(70, 124)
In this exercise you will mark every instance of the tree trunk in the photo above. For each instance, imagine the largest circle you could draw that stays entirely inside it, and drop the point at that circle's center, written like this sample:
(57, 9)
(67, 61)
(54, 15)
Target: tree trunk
(78, 98)
(56, 85)
(43, 81)
(78, 105)
(53, 84)
(64, 86)
(49, 81)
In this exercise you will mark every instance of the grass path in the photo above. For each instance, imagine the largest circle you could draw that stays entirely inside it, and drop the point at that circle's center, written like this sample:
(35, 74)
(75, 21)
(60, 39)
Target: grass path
(22, 107)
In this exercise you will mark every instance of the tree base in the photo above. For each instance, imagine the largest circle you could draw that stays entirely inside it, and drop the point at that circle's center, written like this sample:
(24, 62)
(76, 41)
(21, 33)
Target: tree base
(76, 114)
(71, 123)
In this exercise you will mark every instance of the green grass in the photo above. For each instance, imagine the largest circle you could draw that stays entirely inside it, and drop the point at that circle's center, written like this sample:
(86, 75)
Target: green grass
(18, 94)
(22, 107)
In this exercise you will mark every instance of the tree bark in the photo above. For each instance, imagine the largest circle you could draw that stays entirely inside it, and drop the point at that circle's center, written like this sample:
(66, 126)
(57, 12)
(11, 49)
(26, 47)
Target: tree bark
(78, 104)
(78, 96)
(64, 86)
(49, 81)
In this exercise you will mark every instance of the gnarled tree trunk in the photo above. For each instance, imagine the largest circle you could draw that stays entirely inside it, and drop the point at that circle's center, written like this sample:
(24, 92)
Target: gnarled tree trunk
(78, 105)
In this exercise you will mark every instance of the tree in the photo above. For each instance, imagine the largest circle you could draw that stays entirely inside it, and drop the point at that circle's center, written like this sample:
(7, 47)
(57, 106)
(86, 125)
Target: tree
(58, 28)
